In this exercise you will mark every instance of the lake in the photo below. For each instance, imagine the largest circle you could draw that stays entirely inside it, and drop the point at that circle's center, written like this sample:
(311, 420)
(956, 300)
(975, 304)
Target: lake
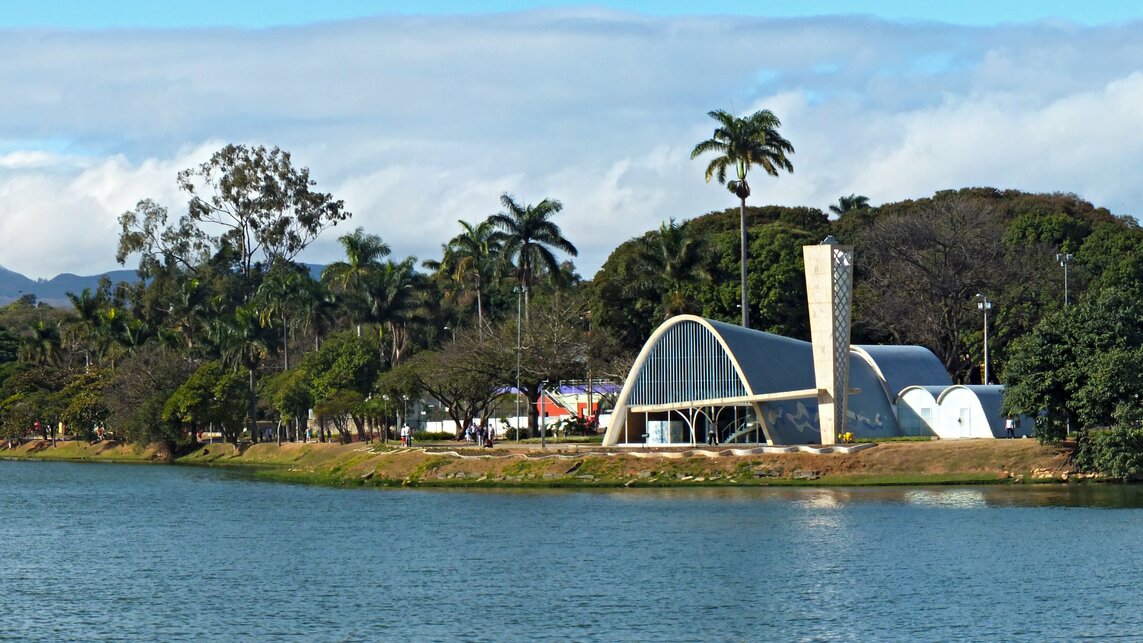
(144, 552)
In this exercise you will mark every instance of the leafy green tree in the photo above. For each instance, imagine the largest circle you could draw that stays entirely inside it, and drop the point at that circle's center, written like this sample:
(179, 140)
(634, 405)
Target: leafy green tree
(742, 143)
(266, 207)
(214, 395)
(344, 364)
(84, 402)
(1079, 368)
(339, 407)
(138, 392)
(530, 237)
(289, 394)
(920, 269)
(460, 375)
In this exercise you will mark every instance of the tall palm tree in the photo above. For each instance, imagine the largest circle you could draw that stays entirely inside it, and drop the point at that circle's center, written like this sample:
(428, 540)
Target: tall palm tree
(473, 257)
(394, 303)
(674, 258)
(851, 202)
(743, 143)
(529, 237)
(282, 298)
(86, 308)
(350, 278)
(42, 345)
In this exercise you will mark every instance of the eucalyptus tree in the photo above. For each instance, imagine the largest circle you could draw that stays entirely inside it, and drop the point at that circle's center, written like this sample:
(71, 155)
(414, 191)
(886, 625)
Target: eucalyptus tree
(249, 204)
(530, 236)
(249, 208)
(741, 143)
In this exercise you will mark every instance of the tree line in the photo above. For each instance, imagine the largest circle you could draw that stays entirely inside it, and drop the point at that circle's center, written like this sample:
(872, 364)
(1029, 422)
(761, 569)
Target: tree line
(225, 328)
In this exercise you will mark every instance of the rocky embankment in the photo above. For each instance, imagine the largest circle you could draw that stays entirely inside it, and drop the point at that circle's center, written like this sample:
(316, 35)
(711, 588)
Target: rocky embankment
(446, 464)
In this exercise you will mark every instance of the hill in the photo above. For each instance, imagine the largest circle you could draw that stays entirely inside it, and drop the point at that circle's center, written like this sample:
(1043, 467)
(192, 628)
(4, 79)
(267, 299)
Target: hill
(14, 285)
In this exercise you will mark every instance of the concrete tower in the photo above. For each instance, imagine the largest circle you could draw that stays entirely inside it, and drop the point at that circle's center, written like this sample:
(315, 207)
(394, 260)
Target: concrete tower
(829, 289)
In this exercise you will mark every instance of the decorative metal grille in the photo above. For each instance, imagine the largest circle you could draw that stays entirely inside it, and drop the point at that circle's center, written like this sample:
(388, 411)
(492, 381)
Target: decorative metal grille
(686, 364)
(842, 262)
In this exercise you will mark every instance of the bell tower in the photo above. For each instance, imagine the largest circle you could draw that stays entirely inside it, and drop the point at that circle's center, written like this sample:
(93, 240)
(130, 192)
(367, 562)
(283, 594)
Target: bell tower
(829, 290)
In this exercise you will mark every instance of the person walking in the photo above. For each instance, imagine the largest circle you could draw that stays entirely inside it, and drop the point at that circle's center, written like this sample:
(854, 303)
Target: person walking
(406, 436)
(1010, 426)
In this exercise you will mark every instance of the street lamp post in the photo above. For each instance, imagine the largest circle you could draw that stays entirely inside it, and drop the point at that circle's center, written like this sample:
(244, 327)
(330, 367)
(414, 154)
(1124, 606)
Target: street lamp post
(985, 306)
(1064, 260)
(543, 414)
(519, 299)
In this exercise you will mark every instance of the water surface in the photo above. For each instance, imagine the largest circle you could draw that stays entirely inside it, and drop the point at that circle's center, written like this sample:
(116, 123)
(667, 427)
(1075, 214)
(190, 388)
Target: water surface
(120, 552)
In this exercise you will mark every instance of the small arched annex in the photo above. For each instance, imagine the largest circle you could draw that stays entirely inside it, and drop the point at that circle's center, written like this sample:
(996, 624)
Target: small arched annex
(698, 380)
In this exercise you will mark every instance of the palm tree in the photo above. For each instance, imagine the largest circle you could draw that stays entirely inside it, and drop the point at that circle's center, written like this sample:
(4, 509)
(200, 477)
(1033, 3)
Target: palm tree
(242, 343)
(473, 256)
(851, 202)
(675, 260)
(283, 296)
(393, 298)
(743, 143)
(42, 345)
(530, 236)
(350, 278)
(87, 306)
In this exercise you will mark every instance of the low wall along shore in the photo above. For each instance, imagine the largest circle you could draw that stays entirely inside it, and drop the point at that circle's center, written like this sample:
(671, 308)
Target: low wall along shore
(457, 464)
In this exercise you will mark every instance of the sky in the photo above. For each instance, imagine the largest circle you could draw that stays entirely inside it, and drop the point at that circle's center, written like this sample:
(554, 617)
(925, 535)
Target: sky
(420, 114)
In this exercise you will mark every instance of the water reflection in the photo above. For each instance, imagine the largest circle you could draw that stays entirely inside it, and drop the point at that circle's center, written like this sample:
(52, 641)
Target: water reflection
(1109, 496)
(857, 563)
(958, 498)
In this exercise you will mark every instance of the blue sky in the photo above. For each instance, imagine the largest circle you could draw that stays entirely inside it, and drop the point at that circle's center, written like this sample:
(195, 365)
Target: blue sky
(420, 114)
(88, 14)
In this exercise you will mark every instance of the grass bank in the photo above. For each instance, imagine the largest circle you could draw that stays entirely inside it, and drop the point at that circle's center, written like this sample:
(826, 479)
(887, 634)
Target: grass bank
(453, 465)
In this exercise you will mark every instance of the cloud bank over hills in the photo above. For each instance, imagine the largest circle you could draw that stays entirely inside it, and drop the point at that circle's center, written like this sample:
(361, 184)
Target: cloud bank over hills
(419, 121)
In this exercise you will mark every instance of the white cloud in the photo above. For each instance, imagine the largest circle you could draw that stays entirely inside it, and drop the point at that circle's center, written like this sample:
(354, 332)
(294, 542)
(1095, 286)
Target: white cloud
(418, 122)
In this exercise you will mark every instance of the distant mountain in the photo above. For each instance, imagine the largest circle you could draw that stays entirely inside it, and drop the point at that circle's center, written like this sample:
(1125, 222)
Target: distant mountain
(54, 291)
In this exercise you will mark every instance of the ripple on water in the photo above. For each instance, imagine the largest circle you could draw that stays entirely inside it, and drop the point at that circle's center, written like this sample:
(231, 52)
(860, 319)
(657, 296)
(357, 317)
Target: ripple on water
(104, 552)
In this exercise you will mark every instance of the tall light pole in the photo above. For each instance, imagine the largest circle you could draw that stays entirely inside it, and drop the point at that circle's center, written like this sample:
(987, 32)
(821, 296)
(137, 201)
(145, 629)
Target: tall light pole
(519, 299)
(543, 414)
(985, 306)
(1064, 260)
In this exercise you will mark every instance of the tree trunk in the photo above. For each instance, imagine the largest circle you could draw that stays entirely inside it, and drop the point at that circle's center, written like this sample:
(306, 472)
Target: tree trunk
(742, 259)
(252, 409)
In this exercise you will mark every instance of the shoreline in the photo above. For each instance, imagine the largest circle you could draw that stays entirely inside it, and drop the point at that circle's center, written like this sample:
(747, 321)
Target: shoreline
(450, 465)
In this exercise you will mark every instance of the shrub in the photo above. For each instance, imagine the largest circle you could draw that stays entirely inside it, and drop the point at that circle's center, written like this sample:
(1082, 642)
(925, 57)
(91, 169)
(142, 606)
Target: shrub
(517, 434)
(1116, 452)
(432, 436)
